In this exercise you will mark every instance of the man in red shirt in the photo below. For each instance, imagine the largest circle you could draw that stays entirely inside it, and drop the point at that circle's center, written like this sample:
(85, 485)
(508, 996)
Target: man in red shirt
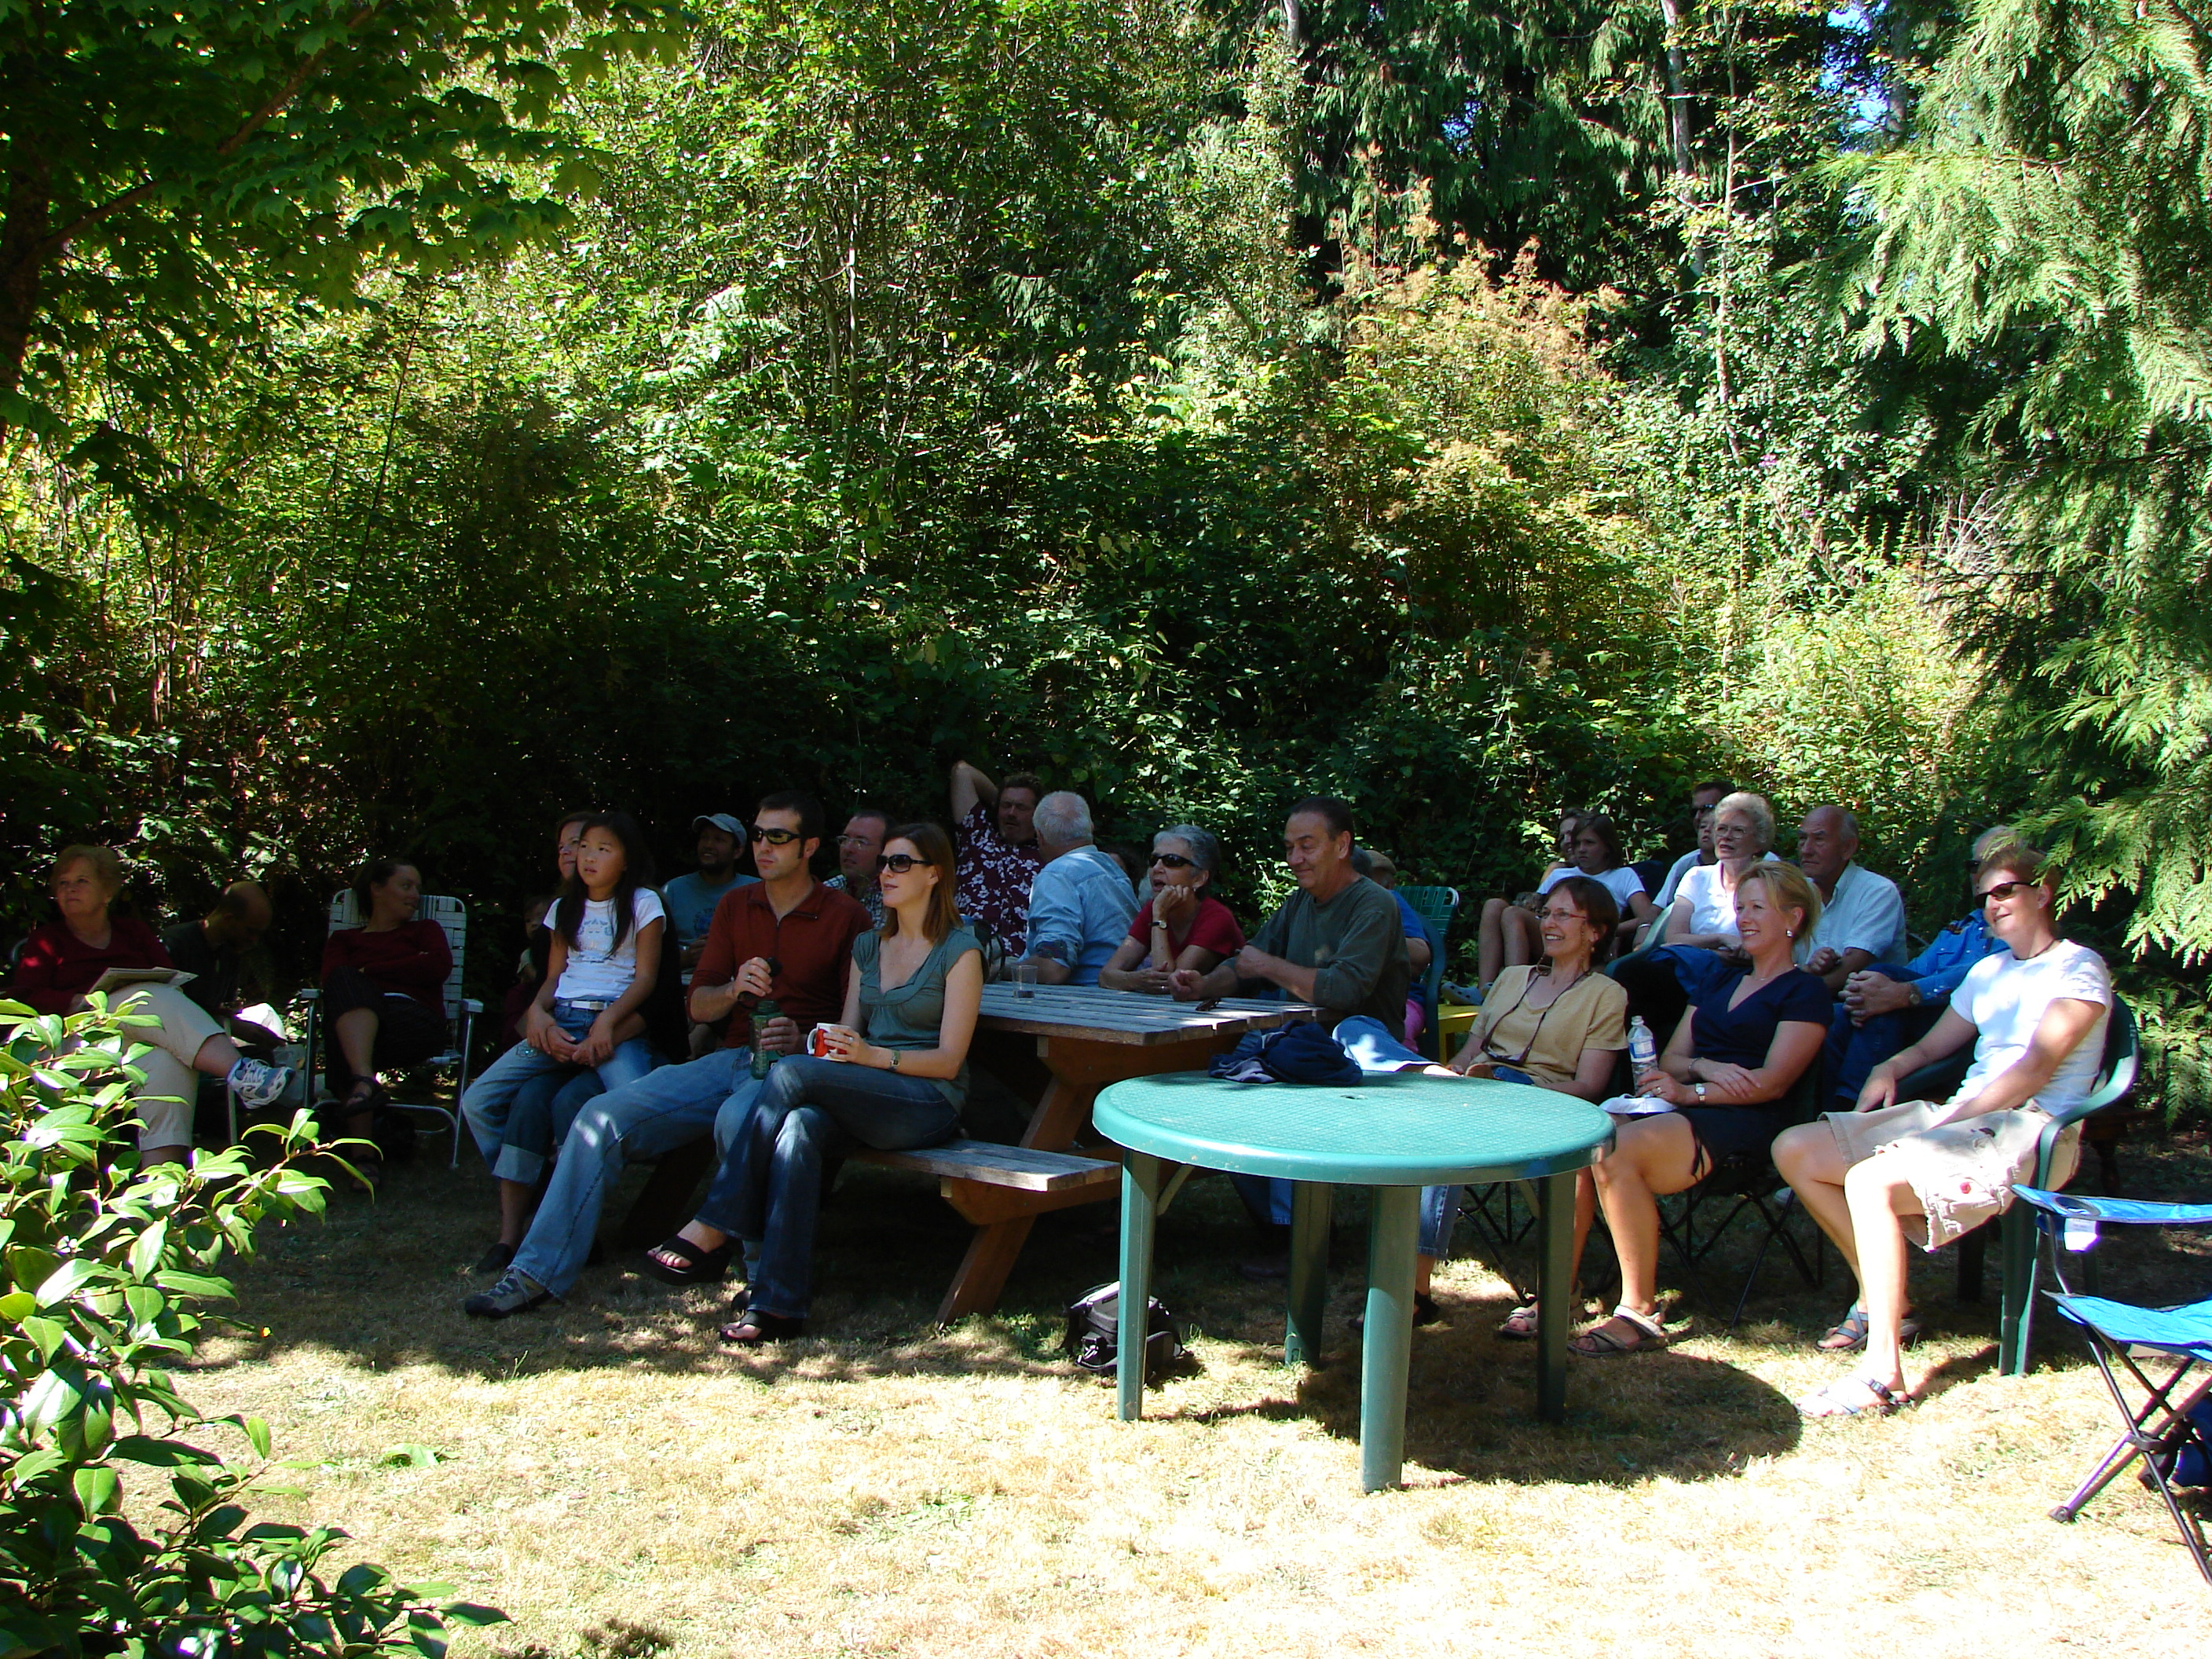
(786, 939)
(995, 846)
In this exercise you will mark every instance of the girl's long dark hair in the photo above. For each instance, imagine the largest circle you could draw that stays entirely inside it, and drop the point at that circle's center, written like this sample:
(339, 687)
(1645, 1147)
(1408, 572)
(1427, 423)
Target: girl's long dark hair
(637, 871)
(934, 848)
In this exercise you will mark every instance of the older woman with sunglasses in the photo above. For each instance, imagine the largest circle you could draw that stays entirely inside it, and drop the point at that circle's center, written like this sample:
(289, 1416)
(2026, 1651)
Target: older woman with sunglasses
(1559, 1023)
(1183, 925)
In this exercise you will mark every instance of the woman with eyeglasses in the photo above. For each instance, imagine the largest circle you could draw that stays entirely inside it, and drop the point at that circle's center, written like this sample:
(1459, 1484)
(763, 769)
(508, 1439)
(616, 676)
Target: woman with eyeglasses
(1932, 1171)
(1183, 925)
(1557, 1023)
(894, 1077)
(1722, 1088)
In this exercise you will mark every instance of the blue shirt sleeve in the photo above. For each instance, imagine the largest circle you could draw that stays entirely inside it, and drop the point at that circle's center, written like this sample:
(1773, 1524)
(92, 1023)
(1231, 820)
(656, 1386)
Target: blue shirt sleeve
(1943, 966)
(1055, 927)
(1409, 917)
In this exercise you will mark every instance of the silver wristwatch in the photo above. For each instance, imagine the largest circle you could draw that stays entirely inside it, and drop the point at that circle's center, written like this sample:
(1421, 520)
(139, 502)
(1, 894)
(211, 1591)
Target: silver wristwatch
(1700, 1088)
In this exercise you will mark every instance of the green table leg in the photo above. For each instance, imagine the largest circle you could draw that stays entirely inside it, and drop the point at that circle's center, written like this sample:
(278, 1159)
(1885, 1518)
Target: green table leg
(1555, 1199)
(1140, 1188)
(1392, 1238)
(1310, 1203)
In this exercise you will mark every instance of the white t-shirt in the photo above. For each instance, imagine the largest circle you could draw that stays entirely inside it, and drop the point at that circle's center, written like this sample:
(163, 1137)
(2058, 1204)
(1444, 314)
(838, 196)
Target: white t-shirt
(1711, 906)
(1680, 868)
(598, 971)
(1623, 883)
(2006, 1000)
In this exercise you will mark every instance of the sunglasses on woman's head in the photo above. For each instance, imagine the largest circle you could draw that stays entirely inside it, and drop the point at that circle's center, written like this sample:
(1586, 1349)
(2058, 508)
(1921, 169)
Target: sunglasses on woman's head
(897, 863)
(774, 837)
(1173, 860)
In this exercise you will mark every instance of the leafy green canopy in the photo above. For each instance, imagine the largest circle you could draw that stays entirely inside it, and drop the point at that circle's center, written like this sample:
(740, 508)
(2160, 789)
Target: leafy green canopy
(168, 166)
(105, 1268)
(2045, 238)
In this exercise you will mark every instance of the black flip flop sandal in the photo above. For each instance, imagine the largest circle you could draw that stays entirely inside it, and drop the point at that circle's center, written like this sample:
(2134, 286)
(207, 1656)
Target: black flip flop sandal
(692, 1266)
(753, 1330)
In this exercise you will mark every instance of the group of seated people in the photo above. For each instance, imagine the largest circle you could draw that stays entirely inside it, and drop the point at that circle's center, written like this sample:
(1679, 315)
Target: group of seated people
(1773, 990)
(840, 1012)
(837, 1028)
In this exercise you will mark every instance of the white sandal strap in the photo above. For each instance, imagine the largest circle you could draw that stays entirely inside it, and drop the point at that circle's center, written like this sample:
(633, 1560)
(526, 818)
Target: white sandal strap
(1642, 1321)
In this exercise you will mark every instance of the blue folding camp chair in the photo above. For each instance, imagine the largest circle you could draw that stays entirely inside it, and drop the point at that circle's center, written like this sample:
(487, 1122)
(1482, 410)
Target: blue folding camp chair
(2130, 1335)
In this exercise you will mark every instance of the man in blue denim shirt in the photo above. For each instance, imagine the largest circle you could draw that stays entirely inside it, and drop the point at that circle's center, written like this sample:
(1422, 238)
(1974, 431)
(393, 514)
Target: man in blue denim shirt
(1081, 901)
(1886, 1007)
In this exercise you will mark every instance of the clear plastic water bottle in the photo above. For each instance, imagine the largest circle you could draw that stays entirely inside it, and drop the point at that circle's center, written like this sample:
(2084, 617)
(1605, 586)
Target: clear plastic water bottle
(768, 1008)
(1642, 1047)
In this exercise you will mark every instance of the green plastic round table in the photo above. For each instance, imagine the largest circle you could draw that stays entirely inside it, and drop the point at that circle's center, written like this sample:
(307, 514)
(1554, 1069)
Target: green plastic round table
(1396, 1133)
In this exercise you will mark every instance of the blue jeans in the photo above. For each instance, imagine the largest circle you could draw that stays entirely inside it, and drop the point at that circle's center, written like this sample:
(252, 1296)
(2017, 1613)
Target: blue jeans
(662, 1110)
(1854, 1050)
(513, 1107)
(769, 1186)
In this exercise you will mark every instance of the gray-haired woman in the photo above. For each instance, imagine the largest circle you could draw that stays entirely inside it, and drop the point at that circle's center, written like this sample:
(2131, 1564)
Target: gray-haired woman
(1183, 925)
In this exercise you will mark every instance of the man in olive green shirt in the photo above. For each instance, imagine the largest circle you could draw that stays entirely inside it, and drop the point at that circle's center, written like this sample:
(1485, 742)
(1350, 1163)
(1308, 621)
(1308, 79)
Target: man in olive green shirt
(1337, 942)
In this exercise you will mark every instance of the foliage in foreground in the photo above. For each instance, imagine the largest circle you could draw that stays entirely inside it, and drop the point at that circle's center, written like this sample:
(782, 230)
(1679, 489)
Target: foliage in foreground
(106, 1267)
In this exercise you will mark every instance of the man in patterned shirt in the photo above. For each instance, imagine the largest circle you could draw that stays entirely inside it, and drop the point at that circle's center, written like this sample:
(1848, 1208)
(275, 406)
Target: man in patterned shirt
(997, 852)
(857, 849)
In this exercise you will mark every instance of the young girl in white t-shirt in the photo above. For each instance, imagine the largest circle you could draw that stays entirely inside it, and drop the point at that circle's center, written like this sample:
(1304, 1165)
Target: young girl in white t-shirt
(604, 962)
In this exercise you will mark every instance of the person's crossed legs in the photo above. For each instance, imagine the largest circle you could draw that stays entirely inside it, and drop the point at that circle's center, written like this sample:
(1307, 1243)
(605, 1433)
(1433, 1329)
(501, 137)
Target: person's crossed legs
(1651, 1158)
(1858, 1206)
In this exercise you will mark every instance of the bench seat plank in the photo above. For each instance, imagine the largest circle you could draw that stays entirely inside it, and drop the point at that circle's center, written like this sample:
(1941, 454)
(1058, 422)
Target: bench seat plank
(995, 1165)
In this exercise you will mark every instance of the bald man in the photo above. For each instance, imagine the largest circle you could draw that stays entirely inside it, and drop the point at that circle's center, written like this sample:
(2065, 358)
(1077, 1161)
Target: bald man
(221, 952)
(1862, 915)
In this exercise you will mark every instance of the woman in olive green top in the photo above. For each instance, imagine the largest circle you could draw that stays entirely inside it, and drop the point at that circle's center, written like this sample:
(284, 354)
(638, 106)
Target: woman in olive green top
(895, 1078)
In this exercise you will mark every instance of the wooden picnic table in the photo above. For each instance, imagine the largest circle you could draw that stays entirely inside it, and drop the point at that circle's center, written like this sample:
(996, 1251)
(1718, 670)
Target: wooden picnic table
(1087, 1037)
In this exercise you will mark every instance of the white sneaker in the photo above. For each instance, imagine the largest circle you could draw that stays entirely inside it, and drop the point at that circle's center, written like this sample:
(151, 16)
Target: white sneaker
(260, 1085)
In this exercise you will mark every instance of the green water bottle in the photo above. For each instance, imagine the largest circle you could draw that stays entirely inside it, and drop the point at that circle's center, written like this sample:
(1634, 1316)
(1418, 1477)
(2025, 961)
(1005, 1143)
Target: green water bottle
(763, 1010)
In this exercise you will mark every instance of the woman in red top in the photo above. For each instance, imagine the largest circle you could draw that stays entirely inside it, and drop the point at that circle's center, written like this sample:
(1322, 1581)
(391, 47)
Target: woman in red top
(63, 959)
(1183, 925)
(384, 994)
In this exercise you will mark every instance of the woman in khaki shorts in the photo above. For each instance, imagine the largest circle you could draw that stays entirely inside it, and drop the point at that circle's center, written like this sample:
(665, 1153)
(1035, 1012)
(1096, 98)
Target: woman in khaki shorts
(1933, 1171)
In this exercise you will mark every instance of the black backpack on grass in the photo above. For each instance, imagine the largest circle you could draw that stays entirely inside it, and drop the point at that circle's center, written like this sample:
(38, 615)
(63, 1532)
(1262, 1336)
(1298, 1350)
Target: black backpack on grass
(1094, 1335)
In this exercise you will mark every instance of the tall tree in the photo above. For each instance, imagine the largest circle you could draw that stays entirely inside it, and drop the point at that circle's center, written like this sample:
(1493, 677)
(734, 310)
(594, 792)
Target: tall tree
(164, 164)
(2043, 239)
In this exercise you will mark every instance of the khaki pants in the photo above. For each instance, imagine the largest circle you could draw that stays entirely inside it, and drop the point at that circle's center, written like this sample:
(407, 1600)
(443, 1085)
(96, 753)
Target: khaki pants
(172, 1082)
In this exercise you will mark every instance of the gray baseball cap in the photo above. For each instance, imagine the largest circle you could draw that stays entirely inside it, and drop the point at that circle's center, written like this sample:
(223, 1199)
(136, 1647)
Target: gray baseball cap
(721, 821)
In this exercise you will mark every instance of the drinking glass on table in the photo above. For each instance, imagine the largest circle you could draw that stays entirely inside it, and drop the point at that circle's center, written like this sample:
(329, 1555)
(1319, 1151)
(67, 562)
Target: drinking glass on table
(1025, 979)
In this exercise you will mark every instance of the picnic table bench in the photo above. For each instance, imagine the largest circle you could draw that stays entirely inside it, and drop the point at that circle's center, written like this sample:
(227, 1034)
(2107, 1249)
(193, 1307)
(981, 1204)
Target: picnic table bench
(1086, 1037)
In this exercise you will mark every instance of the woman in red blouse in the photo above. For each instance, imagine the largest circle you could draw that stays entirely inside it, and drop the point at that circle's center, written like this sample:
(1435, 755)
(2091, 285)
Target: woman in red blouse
(1183, 925)
(384, 994)
(65, 958)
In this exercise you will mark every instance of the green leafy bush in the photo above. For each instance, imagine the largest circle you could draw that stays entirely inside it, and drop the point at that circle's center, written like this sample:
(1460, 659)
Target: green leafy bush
(104, 1266)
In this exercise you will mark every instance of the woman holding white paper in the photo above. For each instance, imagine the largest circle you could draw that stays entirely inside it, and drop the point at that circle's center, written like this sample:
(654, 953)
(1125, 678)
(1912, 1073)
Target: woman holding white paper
(64, 959)
(1720, 1088)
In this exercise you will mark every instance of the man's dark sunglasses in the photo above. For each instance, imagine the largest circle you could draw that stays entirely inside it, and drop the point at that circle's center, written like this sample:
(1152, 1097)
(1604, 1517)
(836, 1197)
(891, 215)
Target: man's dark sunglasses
(897, 863)
(774, 837)
(1173, 860)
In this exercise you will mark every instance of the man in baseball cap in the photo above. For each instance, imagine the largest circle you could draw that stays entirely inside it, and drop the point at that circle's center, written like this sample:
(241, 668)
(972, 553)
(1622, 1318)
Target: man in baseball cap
(692, 898)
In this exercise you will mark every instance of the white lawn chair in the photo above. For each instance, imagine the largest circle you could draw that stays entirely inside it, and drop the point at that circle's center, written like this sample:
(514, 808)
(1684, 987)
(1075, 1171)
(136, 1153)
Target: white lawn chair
(461, 1011)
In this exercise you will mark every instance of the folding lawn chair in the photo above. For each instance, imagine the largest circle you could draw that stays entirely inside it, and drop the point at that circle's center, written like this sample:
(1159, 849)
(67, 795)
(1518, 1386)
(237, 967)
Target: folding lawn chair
(2132, 1337)
(452, 915)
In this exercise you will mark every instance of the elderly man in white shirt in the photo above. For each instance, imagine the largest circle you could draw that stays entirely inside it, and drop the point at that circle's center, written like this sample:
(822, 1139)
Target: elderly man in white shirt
(1862, 915)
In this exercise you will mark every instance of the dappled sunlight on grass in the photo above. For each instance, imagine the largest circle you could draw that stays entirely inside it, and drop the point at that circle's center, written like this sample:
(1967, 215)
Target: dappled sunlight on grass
(622, 1486)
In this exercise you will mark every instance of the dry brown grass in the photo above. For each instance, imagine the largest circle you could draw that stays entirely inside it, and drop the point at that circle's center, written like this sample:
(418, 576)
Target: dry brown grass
(622, 1486)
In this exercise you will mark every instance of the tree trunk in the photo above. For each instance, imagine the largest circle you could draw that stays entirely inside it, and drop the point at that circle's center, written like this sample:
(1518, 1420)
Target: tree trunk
(24, 250)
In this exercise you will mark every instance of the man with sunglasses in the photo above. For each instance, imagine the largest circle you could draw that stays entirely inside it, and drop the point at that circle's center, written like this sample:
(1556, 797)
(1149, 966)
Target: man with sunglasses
(1704, 800)
(787, 938)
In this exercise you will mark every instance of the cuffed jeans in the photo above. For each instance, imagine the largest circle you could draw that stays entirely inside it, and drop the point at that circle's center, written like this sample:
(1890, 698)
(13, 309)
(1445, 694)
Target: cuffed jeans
(1853, 1051)
(662, 1110)
(523, 1101)
(769, 1186)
